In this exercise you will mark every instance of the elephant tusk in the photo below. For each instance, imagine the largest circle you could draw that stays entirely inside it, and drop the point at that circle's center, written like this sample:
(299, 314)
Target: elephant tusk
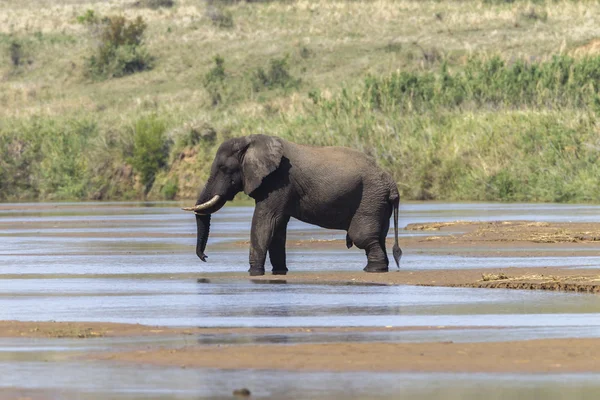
(203, 206)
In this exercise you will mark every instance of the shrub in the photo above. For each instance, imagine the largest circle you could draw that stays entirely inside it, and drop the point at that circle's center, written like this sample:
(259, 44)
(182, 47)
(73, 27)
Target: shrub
(151, 149)
(88, 18)
(214, 80)
(154, 4)
(276, 76)
(169, 190)
(121, 51)
(45, 159)
(534, 15)
(16, 53)
(220, 17)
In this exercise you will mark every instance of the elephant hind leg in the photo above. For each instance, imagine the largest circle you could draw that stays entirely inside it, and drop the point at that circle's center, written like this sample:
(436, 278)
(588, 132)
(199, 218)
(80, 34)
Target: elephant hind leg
(367, 236)
(377, 259)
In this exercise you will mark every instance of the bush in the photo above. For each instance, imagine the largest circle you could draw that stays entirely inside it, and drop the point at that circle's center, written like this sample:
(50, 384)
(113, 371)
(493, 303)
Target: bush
(151, 149)
(154, 4)
(534, 15)
(121, 50)
(16, 53)
(214, 80)
(45, 159)
(170, 189)
(276, 76)
(88, 18)
(220, 17)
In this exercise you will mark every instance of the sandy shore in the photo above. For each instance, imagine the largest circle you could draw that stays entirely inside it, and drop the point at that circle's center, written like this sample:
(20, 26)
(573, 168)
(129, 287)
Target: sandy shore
(565, 279)
(85, 330)
(534, 356)
(528, 356)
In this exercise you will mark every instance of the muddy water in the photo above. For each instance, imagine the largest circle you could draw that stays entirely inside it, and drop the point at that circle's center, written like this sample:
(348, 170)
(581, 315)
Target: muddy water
(120, 262)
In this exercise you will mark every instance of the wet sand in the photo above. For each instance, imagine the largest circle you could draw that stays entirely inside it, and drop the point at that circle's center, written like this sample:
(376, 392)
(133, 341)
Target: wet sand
(539, 278)
(528, 356)
(534, 356)
(85, 330)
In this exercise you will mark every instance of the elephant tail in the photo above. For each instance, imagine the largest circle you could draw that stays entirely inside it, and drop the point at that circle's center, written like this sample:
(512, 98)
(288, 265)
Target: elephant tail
(397, 251)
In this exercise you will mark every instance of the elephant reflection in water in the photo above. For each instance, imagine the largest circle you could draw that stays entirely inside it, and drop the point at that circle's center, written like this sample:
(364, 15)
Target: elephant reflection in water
(332, 187)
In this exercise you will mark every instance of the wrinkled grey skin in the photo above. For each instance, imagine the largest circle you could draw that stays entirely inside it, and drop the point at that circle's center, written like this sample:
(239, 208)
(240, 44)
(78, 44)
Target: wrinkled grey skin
(332, 187)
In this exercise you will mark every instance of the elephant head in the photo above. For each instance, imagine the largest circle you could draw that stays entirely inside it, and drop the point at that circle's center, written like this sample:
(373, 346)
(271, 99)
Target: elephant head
(240, 164)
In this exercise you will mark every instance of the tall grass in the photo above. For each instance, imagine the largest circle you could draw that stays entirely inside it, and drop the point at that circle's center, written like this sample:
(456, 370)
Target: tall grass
(44, 158)
(562, 81)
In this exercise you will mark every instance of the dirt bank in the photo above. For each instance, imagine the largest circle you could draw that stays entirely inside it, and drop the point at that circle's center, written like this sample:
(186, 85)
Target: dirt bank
(534, 356)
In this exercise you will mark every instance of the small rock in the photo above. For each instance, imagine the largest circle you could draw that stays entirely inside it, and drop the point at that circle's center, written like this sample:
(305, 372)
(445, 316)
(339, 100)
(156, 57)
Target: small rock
(241, 392)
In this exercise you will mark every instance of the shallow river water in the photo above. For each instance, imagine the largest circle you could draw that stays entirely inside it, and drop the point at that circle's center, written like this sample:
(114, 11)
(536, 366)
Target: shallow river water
(124, 262)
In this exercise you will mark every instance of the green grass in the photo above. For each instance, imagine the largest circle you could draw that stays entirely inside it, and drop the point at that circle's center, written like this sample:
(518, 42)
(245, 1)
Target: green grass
(561, 82)
(478, 100)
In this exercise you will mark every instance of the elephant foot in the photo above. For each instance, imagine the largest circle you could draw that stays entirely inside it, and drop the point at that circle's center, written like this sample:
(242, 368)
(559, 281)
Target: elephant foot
(280, 271)
(376, 267)
(256, 271)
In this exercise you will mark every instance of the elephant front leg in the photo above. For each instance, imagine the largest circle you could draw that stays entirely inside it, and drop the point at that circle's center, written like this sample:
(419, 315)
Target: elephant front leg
(262, 234)
(277, 248)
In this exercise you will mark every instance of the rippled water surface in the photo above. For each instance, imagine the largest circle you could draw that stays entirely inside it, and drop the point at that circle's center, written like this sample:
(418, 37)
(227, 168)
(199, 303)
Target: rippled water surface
(122, 262)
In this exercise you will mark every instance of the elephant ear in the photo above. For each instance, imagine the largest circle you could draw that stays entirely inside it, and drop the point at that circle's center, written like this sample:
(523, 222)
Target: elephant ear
(262, 157)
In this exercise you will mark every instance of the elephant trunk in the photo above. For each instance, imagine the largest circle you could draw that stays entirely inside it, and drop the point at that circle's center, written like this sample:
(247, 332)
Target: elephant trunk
(207, 203)
(203, 229)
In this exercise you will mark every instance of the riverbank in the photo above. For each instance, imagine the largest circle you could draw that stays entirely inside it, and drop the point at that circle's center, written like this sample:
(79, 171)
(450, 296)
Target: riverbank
(531, 356)
(525, 356)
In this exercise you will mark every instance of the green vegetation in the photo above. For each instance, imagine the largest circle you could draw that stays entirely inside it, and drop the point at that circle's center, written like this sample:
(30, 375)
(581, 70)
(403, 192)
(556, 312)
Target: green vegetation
(42, 158)
(558, 83)
(16, 53)
(150, 150)
(484, 100)
(120, 51)
(277, 76)
(221, 18)
(214, 81)
(154, 4)
(88, 18)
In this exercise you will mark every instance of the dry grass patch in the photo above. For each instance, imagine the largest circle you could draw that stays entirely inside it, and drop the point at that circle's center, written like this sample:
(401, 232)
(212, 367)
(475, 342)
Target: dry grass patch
(436, 226)
(494, 277)
(537, 232)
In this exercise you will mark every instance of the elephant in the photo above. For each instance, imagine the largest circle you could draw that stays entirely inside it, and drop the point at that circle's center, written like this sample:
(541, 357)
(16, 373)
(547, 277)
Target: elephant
(332, 187)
